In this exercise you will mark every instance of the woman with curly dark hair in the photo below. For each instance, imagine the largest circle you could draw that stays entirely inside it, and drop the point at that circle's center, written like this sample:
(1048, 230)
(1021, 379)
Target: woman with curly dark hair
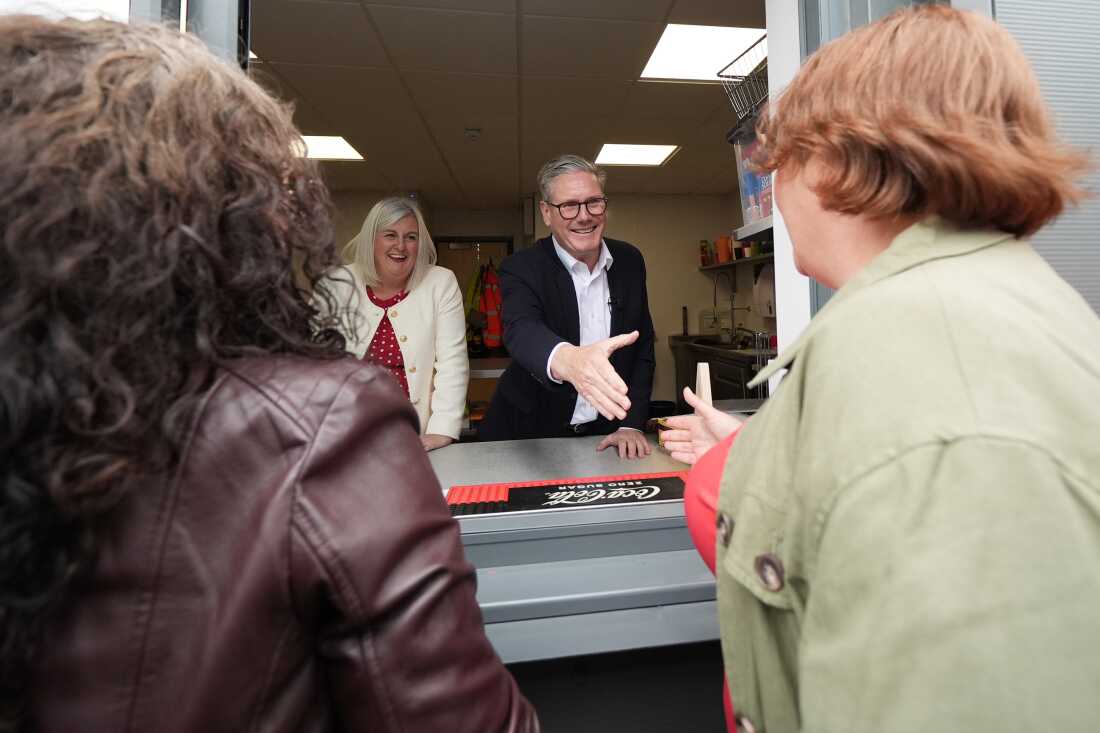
(209, 519)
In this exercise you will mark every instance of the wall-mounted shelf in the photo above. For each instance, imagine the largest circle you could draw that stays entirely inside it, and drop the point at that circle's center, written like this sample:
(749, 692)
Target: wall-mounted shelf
(754, 260)
(749, 230)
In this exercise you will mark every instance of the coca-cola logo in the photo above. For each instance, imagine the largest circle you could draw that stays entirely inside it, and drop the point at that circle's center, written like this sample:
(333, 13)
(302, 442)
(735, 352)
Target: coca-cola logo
(588, 493)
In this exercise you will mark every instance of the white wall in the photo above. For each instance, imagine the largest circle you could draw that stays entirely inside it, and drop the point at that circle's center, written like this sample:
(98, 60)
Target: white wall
(792, 289)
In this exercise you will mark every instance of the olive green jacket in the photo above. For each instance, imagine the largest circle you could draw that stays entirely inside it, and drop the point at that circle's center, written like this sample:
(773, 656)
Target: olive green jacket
(909, 530)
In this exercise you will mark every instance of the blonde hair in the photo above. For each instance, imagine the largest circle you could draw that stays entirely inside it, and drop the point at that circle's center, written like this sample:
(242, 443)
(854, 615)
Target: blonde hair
(360, 250)
(927, 111)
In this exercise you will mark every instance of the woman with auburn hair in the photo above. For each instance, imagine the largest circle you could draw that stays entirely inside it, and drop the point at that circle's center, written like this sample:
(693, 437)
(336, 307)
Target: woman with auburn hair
(210, 518)
(907, 536)
(422, 343)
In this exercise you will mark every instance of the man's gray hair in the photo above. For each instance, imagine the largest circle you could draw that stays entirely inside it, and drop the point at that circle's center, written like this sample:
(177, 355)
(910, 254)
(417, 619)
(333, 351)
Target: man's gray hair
(563, 164)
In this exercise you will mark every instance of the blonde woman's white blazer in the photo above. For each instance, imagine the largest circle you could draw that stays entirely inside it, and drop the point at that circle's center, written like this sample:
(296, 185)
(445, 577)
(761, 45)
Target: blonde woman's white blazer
(430, 324)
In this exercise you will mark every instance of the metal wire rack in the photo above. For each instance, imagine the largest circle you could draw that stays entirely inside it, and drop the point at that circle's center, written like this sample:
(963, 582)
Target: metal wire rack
(745, 80)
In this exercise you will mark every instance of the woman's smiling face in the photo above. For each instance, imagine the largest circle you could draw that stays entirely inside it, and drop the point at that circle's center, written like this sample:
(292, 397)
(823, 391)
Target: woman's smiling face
(395, 250)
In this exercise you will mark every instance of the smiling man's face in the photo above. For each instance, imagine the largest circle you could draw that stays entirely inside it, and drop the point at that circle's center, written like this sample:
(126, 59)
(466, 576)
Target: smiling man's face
(580, 237)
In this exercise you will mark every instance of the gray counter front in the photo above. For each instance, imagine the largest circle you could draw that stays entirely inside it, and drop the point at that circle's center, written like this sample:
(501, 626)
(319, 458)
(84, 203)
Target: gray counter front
(579, 580)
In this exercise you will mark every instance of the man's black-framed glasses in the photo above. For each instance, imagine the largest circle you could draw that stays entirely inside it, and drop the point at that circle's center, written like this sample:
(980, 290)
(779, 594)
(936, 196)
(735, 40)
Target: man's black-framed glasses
(572, 209)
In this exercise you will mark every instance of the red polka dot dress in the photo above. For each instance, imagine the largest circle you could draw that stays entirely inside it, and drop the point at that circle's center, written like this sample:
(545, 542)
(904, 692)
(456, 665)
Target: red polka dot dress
(383, 349)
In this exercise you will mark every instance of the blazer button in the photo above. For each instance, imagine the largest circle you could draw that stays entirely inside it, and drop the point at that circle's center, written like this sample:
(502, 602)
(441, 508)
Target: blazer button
(412, 370)
(393, 314)
(769, 569)
(403, 338)
(725, 527)
(744, 724)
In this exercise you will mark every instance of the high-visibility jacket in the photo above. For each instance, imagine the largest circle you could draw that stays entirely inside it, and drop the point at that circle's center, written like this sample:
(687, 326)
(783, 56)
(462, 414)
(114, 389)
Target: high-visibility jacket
(490, 304)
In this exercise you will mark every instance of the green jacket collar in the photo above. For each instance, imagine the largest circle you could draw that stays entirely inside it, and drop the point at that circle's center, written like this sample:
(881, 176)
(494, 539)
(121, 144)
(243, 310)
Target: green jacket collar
(925, 241)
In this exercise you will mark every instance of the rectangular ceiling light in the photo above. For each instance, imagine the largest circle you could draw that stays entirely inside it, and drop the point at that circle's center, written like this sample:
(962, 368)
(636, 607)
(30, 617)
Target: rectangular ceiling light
(329, 147)
(619, 154)
(697, 52)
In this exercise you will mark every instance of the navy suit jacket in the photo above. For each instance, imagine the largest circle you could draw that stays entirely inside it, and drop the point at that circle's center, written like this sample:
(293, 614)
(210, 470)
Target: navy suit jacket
(539, 312)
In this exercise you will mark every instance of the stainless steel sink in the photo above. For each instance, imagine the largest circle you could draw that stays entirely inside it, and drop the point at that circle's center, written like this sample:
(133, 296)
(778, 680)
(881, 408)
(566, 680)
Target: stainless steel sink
(711, 341)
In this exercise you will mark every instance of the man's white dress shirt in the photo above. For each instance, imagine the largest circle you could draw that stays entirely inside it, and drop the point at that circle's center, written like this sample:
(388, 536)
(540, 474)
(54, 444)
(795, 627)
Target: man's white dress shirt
(594, 310)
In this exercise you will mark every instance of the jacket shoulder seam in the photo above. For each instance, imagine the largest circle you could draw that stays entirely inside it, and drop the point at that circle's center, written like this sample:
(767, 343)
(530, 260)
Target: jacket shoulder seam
(826, 506)
(300, 520)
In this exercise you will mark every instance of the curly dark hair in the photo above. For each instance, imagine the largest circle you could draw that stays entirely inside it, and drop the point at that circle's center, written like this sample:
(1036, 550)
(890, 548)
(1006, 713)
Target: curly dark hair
(157, 223)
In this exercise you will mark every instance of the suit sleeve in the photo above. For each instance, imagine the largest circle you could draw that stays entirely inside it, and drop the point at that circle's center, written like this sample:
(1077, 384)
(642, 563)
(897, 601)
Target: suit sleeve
(377, 564)
(526, 336)
(639, 382)
(452, 365)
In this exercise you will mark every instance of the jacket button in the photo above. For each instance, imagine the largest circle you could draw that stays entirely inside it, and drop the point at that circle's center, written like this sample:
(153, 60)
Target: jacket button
(403, 338)
(393, 314)
(744, 724)
(769, 569)
(725, 527)
(412, 370)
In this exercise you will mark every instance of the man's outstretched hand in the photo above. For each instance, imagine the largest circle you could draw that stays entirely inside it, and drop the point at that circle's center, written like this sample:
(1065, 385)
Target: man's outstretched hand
(588, 369)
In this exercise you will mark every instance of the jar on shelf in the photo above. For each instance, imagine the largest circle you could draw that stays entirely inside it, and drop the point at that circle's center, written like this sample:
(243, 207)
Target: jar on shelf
(725, 250)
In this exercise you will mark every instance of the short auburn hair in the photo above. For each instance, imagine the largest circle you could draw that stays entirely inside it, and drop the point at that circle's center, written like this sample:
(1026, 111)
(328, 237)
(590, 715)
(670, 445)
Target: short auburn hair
(927, 111)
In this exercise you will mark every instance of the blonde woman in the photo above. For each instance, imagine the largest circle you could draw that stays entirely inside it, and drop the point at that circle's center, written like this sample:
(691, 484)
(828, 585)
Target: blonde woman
(407, 315)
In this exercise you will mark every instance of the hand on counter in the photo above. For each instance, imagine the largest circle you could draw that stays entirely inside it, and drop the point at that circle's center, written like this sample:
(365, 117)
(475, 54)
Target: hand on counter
(693, 435)
(588, 369)
(431, 441)
(631, 443)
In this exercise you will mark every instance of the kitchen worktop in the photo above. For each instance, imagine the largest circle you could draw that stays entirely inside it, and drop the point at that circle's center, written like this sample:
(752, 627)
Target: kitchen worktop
(488, 368)
(712, 345)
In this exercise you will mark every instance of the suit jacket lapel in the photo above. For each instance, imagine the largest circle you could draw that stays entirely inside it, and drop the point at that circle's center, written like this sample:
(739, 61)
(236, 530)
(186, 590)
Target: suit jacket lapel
(615, 287)
(566, 293)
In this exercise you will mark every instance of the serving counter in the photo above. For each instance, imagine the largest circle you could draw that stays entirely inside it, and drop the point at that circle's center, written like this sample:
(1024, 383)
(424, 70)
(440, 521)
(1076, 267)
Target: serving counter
(579, 580)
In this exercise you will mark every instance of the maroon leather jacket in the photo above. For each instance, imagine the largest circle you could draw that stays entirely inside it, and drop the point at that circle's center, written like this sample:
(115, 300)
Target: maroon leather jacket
(300, 572)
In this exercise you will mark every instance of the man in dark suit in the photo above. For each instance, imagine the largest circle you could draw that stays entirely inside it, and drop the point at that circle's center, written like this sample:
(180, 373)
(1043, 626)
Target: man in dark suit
(577, 324)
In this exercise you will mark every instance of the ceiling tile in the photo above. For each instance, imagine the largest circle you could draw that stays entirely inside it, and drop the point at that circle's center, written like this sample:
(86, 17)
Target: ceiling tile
(593, 49)
(463, 98)
(358, 176)
(536, 151)
(380, 122)
(567, 103)
(674, 101)
(334, 91)
(306, 117)
(649, 131)
(654, 10)
(737, 13)
(339, 34)
(421, 38)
